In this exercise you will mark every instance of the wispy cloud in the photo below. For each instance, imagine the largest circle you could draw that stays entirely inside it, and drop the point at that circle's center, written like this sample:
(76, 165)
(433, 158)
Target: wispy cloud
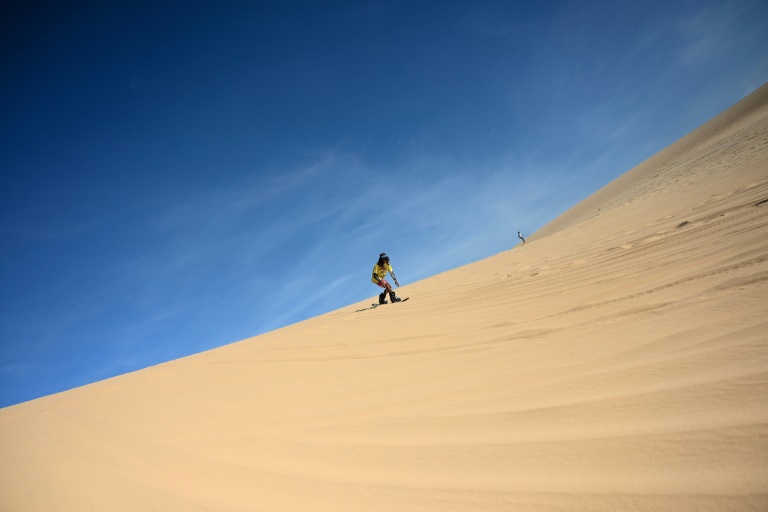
(430, 212)
(18, 369)
(708, 33)
(43, 224)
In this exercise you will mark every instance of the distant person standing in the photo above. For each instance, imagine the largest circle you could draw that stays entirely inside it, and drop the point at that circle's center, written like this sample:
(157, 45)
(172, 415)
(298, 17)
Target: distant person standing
(520, 236)
(380, 270)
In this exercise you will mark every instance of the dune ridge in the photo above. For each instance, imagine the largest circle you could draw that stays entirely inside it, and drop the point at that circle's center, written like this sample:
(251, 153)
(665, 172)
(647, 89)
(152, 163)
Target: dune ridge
(712, 147)
(615, 362)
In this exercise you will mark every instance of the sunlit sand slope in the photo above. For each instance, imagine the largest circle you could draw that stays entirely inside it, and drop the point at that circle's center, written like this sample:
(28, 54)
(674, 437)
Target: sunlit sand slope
(620, 363)
(717, 146)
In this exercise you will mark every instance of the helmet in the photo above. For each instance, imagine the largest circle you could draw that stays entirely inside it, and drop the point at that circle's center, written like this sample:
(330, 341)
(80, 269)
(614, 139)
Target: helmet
(383, 256)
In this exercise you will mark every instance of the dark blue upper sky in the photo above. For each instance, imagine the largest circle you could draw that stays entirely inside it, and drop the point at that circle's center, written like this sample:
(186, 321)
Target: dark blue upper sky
(175, 177)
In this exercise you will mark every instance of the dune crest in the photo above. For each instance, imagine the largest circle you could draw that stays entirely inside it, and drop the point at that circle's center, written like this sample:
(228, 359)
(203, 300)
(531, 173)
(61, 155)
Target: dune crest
(718, 145)
(615, 362)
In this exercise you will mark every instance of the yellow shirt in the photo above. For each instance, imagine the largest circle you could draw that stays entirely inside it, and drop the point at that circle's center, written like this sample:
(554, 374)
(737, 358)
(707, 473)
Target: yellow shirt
(380, 272)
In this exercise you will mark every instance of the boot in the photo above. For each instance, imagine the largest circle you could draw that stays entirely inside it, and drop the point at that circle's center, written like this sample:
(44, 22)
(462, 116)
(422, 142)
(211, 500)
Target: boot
(383, 298)
(394, 298)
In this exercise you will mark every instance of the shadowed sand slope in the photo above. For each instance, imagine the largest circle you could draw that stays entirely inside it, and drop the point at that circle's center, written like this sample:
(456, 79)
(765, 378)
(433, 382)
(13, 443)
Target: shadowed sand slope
(618, 364)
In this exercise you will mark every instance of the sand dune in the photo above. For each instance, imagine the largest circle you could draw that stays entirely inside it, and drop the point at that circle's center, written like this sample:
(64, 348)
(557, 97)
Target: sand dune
(617, 361)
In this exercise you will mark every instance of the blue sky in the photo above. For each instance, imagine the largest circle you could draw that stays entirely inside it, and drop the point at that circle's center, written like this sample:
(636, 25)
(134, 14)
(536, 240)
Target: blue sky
(181, 176)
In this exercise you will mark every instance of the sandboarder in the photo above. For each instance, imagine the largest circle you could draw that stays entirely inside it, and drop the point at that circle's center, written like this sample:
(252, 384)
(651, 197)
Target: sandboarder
(520, 236)
(380, 270)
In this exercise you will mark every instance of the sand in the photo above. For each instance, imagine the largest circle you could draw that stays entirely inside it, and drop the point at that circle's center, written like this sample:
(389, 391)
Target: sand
(616, 361)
